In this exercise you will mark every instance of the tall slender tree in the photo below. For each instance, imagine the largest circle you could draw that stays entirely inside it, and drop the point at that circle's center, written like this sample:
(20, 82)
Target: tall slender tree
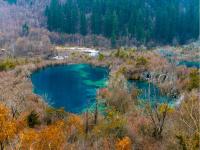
(83, 24)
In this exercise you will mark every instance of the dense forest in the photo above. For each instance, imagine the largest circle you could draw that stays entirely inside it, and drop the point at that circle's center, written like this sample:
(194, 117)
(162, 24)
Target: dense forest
(171, 21)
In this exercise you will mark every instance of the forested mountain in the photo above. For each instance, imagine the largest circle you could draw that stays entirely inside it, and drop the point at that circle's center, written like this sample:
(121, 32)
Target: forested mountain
(161, 21)
(113, 22)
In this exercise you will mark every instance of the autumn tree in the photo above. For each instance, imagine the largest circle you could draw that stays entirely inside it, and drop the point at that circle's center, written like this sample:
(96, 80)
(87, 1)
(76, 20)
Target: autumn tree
(54, 136)
(75, 125)
(50, 137)
(117, 95)
(28, 139)
(187, 127)
(158, 114)
(7, 126)
(113, 125)
(123, 144)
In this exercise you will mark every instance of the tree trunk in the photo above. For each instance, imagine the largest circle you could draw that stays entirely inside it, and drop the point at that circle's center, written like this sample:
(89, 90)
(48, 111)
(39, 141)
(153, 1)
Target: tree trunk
(86, 123)
(96, 113)
(1, 146)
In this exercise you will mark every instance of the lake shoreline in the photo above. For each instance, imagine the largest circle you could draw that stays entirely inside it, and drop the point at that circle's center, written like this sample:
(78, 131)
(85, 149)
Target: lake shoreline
(116, 65)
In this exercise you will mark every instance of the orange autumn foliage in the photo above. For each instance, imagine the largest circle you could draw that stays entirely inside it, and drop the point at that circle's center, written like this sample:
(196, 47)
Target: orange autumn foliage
(51, 137)
(28, 139)
(7, 125)
(75, 122)
(21, 122)
(123, 144)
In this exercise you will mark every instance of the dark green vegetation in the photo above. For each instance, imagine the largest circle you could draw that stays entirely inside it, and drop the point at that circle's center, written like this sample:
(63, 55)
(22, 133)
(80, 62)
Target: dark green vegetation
(194, 80)
(33, 119)
(12, 1)
(10, 63)
(140, 20)
(7, 64)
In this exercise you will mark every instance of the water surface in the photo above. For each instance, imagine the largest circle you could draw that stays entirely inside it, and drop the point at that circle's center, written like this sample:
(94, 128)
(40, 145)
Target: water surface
(70, 86)
(190, 64)
(156, 96)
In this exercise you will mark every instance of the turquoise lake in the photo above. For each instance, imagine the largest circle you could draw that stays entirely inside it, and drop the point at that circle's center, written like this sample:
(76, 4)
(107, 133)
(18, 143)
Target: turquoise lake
(155, 96)
(72, 87)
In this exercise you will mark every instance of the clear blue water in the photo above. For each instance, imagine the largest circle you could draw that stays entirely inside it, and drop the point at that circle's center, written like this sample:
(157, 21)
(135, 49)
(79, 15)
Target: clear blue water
(156, 95)
(70, 86)
(189, 64)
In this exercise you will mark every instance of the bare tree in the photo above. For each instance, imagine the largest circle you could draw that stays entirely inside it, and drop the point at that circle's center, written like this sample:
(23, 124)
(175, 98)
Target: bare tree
(158, 113)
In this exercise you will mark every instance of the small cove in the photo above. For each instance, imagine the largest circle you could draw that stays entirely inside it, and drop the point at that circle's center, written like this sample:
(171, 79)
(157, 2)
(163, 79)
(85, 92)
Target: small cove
(155, 96)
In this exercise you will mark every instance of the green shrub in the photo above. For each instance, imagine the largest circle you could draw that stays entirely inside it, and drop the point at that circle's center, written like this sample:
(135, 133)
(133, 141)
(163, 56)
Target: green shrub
(122, 70)
(33, 119)
(101, 57)
(121, 53)
(189, 142)
(7, 64)
(141, 61)
(194, 82)
(53, 115)
(113, 125)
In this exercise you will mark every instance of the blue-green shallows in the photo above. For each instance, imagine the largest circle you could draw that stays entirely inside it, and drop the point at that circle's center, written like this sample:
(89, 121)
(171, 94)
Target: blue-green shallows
(155, 96)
